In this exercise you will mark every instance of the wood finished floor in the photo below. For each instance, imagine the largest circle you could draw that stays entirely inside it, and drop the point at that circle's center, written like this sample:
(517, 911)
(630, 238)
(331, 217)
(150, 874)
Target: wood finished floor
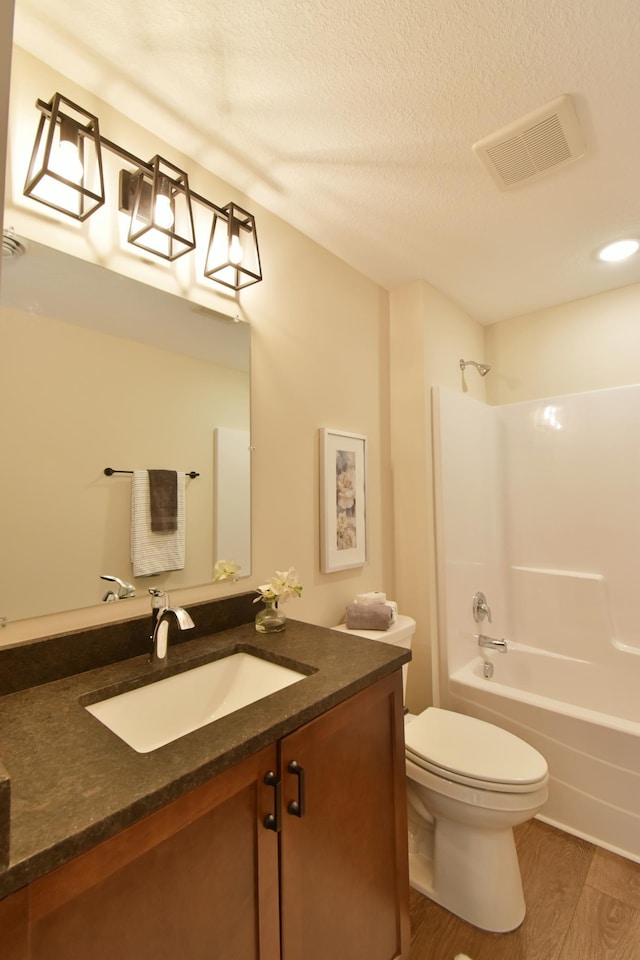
(583, 903)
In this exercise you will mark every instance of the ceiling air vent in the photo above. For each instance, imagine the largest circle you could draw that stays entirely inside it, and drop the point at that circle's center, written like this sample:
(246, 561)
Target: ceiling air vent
(12, 245)
(544, 140)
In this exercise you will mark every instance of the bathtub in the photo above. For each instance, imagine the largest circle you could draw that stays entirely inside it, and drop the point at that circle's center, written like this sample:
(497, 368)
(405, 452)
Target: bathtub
(584, 717)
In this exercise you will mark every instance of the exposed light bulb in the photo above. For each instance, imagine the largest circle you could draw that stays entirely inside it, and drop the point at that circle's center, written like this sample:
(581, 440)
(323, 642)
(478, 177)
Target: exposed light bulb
(66, 161)
(235, 249)
(163, 213)
(619, 250)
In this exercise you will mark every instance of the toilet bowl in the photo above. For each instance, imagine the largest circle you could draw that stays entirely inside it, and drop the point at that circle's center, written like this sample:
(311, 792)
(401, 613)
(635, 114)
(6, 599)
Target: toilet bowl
(468, 784)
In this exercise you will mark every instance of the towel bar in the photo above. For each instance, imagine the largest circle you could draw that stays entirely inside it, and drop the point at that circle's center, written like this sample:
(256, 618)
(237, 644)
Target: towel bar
(109, 471)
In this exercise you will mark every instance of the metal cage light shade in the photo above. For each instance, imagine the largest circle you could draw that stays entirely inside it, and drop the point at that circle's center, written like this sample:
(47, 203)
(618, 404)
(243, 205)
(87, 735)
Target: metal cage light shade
(65, 170)
(161, 214)
(233, 257)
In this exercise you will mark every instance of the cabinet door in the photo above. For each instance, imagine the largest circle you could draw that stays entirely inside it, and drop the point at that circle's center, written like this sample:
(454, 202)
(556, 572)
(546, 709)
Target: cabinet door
(198, 880)
(14, 928)
(344, 863)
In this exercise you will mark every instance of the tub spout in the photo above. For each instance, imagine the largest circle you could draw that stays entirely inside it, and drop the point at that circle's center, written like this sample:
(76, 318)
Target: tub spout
(492, 643)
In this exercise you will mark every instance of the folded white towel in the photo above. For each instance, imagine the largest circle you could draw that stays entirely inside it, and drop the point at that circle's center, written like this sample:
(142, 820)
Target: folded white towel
(154, 552)
(373, 597)
(394, 610)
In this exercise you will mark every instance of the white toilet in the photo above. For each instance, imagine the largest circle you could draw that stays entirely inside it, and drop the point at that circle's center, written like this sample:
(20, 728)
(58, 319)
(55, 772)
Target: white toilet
(469, 783)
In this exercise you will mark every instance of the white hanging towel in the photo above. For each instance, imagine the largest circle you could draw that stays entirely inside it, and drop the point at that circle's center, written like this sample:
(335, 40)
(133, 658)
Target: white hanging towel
(154, 552)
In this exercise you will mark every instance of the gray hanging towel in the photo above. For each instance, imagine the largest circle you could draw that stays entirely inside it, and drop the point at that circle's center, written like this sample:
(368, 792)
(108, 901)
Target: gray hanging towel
(163, 497)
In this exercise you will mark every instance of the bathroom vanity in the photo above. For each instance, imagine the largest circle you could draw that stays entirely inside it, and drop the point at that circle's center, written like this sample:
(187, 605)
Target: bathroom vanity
(278, 831)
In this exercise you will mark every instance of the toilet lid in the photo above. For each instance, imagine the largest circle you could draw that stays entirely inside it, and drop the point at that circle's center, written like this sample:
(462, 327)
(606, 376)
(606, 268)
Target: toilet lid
(463, 747)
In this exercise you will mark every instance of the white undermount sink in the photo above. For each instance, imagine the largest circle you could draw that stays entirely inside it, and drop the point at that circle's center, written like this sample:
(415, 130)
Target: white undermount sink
(150, 716)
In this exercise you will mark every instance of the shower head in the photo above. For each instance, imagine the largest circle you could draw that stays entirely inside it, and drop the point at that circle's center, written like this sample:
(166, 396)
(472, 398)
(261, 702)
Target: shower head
(482, 368)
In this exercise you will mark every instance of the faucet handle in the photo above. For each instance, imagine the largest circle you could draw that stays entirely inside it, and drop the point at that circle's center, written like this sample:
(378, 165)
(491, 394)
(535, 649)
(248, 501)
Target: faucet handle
(159, 602)
(481, 608)
(159, 598)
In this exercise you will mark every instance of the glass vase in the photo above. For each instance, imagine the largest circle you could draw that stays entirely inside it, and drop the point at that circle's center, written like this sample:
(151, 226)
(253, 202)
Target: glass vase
(271, 619)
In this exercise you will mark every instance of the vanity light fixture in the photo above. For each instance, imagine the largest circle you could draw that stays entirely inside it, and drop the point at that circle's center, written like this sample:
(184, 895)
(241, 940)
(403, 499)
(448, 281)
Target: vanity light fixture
(65, 173)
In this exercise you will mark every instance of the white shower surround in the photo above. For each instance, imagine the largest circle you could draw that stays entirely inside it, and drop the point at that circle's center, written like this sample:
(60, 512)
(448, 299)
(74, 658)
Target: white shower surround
(537, 505)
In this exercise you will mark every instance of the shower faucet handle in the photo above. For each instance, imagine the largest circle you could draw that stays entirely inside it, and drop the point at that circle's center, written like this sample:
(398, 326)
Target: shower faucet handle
(481, 608)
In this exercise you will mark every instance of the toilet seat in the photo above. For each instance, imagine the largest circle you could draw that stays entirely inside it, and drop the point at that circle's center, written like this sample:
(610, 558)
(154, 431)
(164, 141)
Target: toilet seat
(468, 751)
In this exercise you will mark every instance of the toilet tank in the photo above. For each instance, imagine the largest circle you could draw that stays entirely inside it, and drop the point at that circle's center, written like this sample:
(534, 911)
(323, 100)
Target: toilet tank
(399, 634)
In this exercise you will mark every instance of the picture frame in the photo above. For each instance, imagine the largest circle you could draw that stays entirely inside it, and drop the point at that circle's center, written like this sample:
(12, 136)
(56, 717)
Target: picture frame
(343, 500)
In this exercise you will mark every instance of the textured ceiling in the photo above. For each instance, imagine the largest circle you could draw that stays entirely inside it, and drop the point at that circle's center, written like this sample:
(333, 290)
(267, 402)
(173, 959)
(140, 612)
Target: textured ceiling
(353, 120)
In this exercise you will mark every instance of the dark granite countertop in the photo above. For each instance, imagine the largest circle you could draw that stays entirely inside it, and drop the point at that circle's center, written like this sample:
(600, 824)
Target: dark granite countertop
(74, 783)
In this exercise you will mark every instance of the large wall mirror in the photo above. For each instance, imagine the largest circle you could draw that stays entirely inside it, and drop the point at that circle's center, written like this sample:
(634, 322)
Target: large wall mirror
(96, 371)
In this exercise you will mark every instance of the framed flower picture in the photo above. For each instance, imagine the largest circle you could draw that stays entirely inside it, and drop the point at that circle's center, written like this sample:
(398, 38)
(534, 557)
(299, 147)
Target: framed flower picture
(343, 506)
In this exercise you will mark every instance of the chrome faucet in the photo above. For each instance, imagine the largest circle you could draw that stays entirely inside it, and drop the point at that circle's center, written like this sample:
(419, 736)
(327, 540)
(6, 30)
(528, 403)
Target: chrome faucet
(160, 636)
(492, 643)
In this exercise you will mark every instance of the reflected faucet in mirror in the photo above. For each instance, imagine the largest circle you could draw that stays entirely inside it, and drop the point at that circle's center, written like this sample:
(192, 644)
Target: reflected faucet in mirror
(122, 591)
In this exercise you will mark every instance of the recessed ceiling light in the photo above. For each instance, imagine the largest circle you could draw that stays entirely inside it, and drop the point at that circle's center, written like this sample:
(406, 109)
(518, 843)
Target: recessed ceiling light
(619, 250)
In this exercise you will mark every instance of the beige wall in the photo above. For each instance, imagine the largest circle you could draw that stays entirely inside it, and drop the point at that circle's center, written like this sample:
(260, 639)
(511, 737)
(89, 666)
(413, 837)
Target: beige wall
(319, 358)
(587, 344)
(6, 31)
(429, 335)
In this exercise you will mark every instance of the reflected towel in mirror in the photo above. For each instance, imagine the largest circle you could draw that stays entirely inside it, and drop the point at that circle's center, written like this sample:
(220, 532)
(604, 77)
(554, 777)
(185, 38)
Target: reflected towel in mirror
(163, 495)
(153, 552)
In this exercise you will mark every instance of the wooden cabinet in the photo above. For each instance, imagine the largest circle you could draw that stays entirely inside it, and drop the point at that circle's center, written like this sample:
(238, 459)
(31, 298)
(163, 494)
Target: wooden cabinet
(344, 864)
(205, 879)
(198, 879)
